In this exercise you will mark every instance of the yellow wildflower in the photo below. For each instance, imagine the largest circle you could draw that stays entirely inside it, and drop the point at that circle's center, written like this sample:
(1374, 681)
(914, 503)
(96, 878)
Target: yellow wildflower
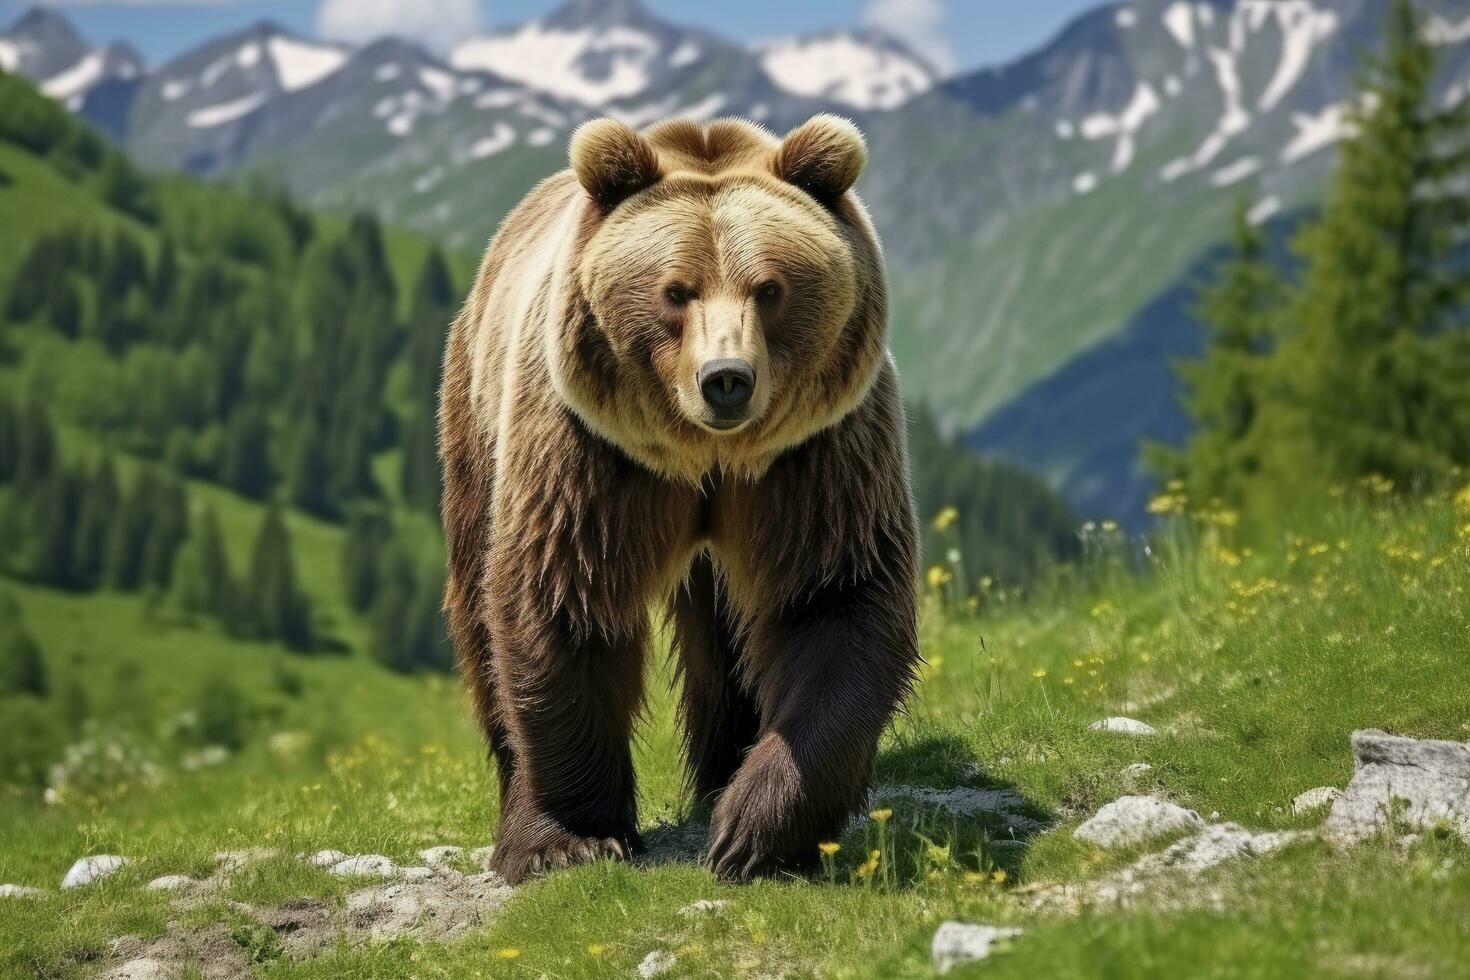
(939, 577)
(507, 953)
(596, 949)
(882, 816)
(1039, 673)
(998, 876)
(946, 517)
(829, 847)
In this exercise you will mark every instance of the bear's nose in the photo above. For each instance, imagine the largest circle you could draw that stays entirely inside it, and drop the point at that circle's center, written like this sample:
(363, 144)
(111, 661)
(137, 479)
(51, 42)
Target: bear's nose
(727, 384)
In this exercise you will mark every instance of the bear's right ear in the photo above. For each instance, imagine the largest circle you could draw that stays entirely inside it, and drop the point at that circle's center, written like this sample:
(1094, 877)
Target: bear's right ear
(612, 162)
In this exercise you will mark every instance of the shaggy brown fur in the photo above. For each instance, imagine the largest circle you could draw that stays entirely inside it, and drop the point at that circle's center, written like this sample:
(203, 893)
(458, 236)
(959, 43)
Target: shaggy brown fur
(587, 483)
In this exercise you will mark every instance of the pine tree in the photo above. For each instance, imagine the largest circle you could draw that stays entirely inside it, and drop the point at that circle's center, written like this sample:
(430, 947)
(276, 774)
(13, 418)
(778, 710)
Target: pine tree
(311, 478)
(246, 464)
(1365, 388)
(393, 641)
(130, 533)
(36, 448)
(99, 511)
(278, 610)
(22, 667)
(58, 504)
(1223, 391)
(369, 535)
(219, 586)
(168, 527)
(124, 189)
(421, 477)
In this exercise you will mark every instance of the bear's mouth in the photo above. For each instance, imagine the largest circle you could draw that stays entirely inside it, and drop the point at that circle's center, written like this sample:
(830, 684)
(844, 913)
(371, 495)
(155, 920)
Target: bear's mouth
(725, 426)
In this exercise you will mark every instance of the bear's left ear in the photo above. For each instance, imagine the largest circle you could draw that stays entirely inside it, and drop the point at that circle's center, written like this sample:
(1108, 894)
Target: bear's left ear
(611, 161)
(823, 156)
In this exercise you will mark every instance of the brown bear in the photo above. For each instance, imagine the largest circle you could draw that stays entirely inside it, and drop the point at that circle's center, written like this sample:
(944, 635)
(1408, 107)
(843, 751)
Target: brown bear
(670, 389)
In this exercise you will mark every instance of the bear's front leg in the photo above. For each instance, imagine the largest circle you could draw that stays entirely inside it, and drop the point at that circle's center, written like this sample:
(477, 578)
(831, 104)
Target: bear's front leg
(830, 669)
(568, 695)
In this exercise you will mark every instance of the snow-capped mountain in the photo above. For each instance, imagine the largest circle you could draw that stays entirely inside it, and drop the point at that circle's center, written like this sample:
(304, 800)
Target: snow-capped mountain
(864, 69)
(95, 81)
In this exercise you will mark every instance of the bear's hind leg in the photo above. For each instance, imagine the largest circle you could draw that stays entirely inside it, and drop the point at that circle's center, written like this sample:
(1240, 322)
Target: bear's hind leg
(718, 716)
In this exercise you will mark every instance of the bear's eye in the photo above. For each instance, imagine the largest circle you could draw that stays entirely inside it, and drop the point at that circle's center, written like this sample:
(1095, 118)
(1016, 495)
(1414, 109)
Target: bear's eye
(678, 294)
(768, 291)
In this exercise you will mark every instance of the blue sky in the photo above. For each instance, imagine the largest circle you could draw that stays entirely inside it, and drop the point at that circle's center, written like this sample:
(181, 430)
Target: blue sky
(969, 33)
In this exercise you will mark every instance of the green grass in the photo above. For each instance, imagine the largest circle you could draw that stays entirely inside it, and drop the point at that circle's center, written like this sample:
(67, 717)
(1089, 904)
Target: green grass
(1254, 666)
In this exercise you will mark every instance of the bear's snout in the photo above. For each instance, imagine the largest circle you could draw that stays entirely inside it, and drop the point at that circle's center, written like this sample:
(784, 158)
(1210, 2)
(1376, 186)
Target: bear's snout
(727, 383)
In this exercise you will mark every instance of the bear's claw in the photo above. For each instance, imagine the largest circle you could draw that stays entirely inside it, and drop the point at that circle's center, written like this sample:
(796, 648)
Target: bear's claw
(516, 863)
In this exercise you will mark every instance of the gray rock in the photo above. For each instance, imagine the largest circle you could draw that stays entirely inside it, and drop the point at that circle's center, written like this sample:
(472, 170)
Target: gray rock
(1315, 799)
(1215, 844)
(364, 865)
(705, 906)
(1131, 774)
(20, 891)
(417, 873)
(1122, 726)
(1134, 819)
(656, 964)
(481, 856)
(90, 870)
(440, 907)
(172, 883)
(446, 855)
(325, 859)
(1415, 783)
(956, 943)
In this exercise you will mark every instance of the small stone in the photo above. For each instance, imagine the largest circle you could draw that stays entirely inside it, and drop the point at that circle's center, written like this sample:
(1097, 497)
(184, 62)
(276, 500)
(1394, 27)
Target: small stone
(1135, 819)
(956, 943)
(442, 856)
(20, 891)
(172, 883)
(656, 963)
(705, 906)
(416, 873)
(1315, 799)
(325, 859)
(1122, 726)
(1403, 783)
(90, 870)
(364, 865)
(482, 855)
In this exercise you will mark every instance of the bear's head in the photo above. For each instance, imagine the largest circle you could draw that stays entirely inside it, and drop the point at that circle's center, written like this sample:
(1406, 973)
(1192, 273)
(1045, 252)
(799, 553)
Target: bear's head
(730, 299)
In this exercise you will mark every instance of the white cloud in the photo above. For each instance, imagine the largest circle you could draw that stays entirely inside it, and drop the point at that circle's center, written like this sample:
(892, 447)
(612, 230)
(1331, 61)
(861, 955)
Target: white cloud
(440, 24)
(918, 23)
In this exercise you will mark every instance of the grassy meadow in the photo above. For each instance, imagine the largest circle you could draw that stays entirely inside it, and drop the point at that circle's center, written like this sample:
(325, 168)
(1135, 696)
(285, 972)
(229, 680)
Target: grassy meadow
(1253, 662)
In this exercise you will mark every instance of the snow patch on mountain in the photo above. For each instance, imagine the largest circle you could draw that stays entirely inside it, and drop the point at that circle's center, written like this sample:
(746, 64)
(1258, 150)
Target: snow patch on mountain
(1264, 210)
(1179, 22)
(684, 55)
(502, 137)
(1234, 173)
(76, 79)
(225, 112)
(9, 55)
(441, 83)
(1125, 125)
(552, 60)
(1303, 27)
(845, 69)
(300, 65)
(1126, 18)
(1317, 132)
(1439, 30)
(1084, 183)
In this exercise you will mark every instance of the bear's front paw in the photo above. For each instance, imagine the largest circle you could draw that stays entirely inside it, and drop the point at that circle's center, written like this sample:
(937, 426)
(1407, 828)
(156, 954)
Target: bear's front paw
(554, 850)
(755, 829)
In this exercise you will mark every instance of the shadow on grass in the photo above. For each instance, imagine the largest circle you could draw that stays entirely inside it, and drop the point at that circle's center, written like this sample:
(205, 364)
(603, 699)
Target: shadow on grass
(938, 809)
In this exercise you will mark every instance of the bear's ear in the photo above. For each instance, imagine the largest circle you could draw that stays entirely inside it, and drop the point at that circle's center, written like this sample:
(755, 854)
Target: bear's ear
(823, 156)
(612, 162)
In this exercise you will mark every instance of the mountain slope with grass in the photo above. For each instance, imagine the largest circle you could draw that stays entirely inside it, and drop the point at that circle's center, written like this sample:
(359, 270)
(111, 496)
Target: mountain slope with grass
(1253, 664)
